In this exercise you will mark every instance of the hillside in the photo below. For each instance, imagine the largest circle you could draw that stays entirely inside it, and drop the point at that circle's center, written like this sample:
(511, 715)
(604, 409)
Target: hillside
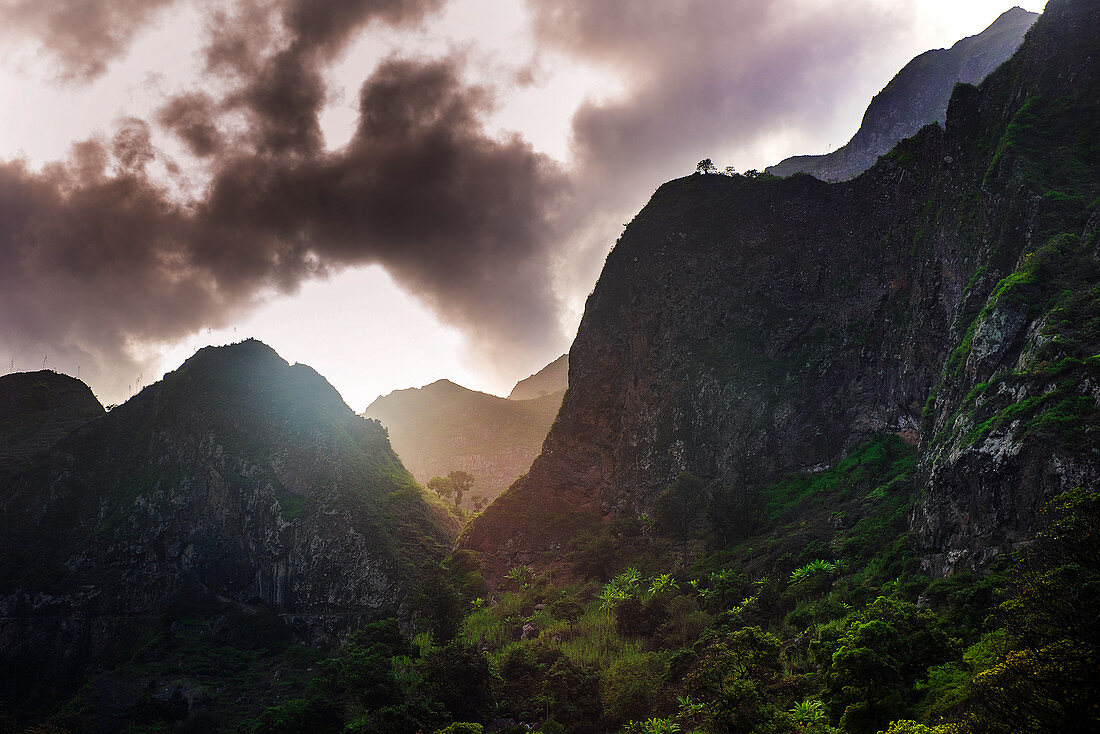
(38, 409)
(552, 378)
(746, 329)
(444, 427)
(238, 488)
(915, 97)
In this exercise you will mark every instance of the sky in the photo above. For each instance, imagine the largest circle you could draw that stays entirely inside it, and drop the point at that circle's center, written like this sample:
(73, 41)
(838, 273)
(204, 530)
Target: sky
(391, 191)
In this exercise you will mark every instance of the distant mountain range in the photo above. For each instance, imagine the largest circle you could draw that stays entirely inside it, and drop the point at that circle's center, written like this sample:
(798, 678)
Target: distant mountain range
(916, 97)
(444, 427)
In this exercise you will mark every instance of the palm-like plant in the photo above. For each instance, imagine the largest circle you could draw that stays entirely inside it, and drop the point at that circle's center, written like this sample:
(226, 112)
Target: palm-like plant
(810, 711)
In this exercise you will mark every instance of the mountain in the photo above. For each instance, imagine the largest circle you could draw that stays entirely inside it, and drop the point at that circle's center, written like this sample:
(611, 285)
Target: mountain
(239, 495)
(38, 409)
(444, 427)
(916, 97)
(552, 378)
(746, 330)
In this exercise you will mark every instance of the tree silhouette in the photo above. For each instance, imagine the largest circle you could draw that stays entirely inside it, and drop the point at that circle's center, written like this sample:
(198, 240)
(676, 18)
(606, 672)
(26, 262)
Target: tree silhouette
(706, 166)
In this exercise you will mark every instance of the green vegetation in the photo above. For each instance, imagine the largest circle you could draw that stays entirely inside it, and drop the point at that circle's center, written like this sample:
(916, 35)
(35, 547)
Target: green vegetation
(714, 650)
(810, 624)
(1046, 394)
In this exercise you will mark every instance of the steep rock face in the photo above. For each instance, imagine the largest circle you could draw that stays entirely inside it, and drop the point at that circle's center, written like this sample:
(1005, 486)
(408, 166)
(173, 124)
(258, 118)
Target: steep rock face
(38, 409)
(443, 427)
(552, 378)
(742, 329)
(915, 97)
(238, 478)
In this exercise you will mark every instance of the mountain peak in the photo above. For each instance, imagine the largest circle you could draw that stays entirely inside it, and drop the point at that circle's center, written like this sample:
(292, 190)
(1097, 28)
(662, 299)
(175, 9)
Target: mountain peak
(918, 95)
(38, 409)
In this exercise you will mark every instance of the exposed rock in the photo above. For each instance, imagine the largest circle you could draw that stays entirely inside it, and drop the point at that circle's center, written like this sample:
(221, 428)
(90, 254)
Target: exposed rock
(744, 328)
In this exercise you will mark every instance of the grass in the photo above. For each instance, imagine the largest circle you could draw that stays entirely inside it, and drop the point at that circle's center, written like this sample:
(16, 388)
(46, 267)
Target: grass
(872, 467)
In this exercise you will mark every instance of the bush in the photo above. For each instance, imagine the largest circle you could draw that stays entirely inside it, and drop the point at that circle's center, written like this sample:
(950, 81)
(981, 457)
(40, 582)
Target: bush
(629, 688)
(461, 728)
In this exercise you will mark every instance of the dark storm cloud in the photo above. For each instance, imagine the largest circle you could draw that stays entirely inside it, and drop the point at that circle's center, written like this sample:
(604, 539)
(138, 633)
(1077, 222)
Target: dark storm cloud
(83, 35)
(192, 118)
(97, 257)
(276, 55)
(464, 221)
(91, 256)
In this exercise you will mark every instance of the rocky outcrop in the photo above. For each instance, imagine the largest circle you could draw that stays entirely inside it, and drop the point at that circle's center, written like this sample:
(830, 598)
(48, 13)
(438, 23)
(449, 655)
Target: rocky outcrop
(238, 479)
(444, 427)
(38, 409)
(746, 328)
(915, 97)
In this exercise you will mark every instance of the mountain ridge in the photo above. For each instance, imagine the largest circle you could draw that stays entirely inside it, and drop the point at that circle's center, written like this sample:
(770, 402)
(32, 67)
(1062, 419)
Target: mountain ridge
(552, 378)
(443, 427)
(237, 480)
(743, 328)
(916, 96)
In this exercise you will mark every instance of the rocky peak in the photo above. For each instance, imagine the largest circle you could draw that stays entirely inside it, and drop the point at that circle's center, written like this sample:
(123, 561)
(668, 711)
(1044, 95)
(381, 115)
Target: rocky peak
(915, 97)
(442, 427)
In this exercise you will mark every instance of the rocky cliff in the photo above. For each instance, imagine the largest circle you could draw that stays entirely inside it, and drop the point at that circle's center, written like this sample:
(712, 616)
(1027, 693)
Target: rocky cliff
(238, 481)
(915, 97)
(442, 427)
(38, 409)
(743, 329)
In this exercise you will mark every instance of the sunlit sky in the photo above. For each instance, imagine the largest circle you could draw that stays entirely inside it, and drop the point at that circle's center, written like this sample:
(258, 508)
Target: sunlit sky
(396, 323)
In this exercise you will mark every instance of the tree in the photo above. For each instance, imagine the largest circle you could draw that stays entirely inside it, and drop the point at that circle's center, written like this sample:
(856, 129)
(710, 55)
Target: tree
(454, 485)
(441, 486)
(873, 658)
(706, 166)
(677, 506)
(461, 482)
(457, 675)
(438, 604)
(729, 678)
(733, 513)
(1044, 677)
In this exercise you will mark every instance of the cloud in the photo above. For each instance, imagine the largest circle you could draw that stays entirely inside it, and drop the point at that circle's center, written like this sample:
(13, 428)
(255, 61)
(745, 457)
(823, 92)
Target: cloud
(466, 221)
(83, 36)
(92, 256)
(700, 74)
(100, 259)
